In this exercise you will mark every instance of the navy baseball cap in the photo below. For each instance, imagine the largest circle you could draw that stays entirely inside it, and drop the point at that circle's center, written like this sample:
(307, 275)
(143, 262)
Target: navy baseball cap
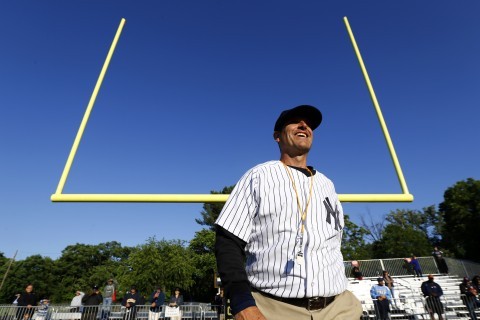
(312, 115)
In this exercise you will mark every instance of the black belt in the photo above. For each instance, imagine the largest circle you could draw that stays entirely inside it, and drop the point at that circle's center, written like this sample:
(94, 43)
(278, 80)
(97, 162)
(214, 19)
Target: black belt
(311, 304)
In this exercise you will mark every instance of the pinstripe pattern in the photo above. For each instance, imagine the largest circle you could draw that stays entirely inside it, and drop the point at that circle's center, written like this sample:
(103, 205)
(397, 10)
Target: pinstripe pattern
(262, 210)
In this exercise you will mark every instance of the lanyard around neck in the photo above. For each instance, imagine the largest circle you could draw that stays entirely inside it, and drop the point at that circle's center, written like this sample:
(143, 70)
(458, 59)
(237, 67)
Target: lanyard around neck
(303, 213)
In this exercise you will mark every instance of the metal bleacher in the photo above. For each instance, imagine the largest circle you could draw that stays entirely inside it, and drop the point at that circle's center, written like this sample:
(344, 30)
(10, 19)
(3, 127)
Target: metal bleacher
(409, 302)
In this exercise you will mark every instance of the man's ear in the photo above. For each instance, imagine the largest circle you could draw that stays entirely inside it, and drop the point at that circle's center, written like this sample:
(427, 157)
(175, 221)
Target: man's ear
(276, 136)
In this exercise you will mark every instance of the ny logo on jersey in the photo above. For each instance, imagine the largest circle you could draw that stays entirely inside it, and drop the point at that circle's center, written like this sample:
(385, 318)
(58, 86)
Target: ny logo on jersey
(334, 213)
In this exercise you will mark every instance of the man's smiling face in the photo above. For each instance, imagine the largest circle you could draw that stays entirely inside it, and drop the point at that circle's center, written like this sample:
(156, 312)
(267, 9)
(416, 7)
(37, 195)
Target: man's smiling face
(295, 138)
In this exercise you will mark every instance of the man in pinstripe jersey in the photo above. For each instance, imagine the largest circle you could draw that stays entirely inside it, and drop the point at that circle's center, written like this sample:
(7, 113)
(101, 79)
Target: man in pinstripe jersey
(278, 236)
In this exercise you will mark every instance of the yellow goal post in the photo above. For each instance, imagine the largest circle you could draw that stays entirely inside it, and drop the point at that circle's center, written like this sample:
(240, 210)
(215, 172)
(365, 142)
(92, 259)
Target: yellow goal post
(59, 196)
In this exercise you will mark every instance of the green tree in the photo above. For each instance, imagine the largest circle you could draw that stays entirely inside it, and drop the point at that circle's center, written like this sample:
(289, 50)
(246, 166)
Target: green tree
(401, 241)
(81, 266)
(373, 227)
(436, 224)
(461, 213)
(402, 233)
(202, 246)
(354, 246)
(4, 262)
(9, 287)
(429, 221)
(165, 263)
(36, 270)
(212, 210)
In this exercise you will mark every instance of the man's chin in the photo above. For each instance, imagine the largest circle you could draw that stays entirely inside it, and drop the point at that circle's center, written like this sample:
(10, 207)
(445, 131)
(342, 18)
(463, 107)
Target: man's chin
(299, 152)
(304, 149)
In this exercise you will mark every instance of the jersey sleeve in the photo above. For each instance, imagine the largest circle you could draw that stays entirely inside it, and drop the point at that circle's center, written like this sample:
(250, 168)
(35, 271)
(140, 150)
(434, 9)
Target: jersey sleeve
(240, 208)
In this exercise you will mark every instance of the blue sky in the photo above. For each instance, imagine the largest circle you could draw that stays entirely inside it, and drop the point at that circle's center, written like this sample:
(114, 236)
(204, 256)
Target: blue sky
(191, 95)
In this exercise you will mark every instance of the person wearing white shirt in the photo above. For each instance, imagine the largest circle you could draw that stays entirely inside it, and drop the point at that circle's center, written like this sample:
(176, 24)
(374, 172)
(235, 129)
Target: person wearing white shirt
(76, 303)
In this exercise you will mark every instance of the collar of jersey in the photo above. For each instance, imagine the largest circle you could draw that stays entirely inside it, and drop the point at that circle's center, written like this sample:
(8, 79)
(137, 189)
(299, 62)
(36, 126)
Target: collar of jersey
(305, 171)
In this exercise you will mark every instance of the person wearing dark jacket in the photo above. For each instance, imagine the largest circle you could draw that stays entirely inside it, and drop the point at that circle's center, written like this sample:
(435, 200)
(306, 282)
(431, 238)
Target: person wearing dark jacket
(356, 273)
(440, 260)
(219, 303)
(408, 267)
(26, 302)
(91, 302)
(157, 300)
(130, 301)
(476, 283)
(468, 293)
(176, 300)
(432, 291)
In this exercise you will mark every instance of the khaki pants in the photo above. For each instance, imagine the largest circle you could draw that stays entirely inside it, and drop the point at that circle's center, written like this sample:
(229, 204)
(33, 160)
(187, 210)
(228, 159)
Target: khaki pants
(345, 307)
(153, 315)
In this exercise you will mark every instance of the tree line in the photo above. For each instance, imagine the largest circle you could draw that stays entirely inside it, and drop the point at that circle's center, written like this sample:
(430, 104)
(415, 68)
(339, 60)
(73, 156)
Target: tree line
(191, 265)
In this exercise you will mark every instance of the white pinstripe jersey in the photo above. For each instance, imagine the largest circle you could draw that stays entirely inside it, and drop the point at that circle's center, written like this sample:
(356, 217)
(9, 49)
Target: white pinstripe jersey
(262, 210)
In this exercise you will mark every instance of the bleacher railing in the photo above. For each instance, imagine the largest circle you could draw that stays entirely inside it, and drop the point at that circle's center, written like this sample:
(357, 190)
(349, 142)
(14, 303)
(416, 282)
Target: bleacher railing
(409, 302)
(414, 307)
(100, 312)
(397, 267)
(451, 308)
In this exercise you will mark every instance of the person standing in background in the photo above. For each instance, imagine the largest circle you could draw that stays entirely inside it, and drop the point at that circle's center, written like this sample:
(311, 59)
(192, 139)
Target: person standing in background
(219, 304)
(476, 283)
(130, 301)
(91, 302)
(389, 282)
(356, 273)
(76, 304)
(440, 260)
(381, 296)
(108, 295)
(432, 292)
(26, 302)
(176, 300)
(468, 294)
(416, 267)
(408, 266)
(108, 292)
(157, 300)
(42, 310)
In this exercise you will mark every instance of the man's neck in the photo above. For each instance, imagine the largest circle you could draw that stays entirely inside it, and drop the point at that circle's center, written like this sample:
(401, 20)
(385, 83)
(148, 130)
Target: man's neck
(298, 161)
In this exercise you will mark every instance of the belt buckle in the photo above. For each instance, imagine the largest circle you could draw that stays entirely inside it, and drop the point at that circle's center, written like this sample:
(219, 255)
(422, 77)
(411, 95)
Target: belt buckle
(315, 302)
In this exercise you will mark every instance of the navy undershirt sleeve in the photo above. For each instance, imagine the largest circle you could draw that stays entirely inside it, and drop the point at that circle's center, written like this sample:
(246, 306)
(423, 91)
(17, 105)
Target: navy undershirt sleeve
(230, 254)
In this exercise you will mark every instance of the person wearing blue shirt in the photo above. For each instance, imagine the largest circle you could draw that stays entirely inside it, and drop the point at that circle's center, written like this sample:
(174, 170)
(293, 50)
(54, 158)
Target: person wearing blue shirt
(381, 295)
(416, 267)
